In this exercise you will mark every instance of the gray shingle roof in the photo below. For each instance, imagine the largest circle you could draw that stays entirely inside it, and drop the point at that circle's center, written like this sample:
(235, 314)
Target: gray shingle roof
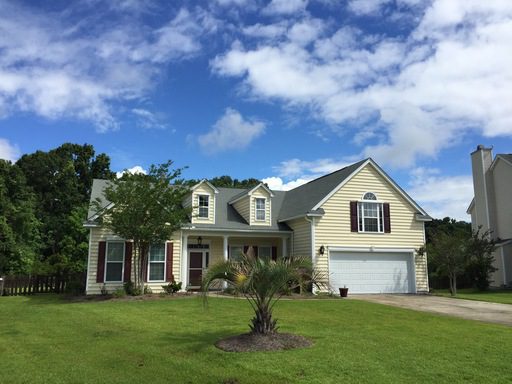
(301, 200)
(294, 203)
(506, 156)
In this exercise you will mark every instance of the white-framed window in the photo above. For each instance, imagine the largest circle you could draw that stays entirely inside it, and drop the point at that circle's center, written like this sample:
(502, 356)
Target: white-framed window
(204, 206)
(114, 261)
(259, 204)
(235, 252)
(370, 214)
(265, 251)
(156, 262)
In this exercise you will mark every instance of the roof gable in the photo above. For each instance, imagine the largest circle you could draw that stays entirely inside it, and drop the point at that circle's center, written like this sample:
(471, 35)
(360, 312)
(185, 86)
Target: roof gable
(309, 198)
(386, 177)
(249, 192)
(205, 182)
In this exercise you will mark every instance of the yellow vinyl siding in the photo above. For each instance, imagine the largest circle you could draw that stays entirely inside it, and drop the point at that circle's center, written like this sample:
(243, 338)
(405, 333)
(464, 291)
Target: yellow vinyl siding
(260, 193)
(203, 189)
(333, 229)
(301, 237)
(243, 207)
(103, 234)
(187, 201)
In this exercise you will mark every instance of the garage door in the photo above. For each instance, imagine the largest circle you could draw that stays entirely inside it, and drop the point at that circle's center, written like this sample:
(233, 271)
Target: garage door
(374, 272)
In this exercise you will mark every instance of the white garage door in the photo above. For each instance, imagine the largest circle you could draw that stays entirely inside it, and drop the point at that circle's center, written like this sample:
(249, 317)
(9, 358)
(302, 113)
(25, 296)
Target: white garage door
(375, 272)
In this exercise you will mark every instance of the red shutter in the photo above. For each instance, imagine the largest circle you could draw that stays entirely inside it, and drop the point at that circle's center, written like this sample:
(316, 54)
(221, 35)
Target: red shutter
(128, 250)
(145, 270)
(168, 272)
(387, 218)
(274, 253)
(353, 217)
(100, 270)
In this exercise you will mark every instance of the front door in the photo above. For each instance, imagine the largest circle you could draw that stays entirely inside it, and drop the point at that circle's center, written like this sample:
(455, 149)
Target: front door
(198, 262)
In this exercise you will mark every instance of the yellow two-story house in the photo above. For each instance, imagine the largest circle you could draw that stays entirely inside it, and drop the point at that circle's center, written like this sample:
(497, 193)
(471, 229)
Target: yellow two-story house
(360, 229)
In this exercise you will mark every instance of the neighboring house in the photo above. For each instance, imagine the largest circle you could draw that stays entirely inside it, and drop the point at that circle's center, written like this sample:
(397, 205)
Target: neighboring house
(491, 208)
(360, 229)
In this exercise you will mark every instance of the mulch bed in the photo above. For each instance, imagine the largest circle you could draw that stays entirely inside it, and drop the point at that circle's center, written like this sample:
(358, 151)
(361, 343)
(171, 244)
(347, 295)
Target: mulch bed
(249, 342)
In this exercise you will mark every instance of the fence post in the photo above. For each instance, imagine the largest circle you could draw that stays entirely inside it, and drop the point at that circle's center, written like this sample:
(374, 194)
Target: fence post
(1, 286)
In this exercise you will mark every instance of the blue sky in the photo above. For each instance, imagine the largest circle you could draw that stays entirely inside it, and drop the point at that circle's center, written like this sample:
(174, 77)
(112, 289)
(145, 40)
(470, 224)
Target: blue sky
(283, 91)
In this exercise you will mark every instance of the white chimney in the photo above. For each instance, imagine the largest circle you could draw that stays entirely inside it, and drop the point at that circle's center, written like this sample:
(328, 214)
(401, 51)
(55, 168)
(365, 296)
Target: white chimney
(481, 161)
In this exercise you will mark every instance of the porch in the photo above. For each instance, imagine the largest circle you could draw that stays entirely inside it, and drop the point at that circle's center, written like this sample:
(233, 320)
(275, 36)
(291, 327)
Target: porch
(201, 249)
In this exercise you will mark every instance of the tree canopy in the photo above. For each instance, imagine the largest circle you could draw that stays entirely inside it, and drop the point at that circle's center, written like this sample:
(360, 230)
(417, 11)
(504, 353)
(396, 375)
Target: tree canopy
(146, 209)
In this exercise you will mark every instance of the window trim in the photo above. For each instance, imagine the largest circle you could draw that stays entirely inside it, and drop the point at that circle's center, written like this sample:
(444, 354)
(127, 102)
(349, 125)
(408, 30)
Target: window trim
(361, 217)
(158, 262)
(117, 262)
(207, 217)
(256, 209)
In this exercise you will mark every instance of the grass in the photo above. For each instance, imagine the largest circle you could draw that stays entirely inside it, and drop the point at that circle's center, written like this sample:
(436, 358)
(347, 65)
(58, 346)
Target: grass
(45, 339)
(502, 296)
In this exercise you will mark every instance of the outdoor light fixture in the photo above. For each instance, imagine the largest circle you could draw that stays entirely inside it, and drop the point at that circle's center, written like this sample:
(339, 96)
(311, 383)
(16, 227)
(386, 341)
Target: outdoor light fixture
(321, 250)
(199, 240)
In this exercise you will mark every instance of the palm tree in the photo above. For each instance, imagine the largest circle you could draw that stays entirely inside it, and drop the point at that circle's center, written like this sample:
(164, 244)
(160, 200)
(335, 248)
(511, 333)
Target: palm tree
(263, 282)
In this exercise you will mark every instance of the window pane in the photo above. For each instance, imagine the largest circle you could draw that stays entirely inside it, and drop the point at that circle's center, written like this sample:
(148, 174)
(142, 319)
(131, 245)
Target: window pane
(115, 251)
(156, 271)
(369, 196)
(114, 272)
(370, 209)
(236, 253)
(264, 251)
(203, 200)
(157, 252)
(203, 212)
(260, 214)
(260, 203)
(370, 225)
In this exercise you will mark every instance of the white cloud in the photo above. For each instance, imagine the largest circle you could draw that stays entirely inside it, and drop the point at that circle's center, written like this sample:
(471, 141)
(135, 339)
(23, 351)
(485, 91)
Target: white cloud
(411, 95)
(147, 119)
(50, 67)
(277, 183)
(230, 132)
(314, 168)
(8, 151)
(295, 172)
(133, 170)
(366, 7)
(285, 7)
(441, 196)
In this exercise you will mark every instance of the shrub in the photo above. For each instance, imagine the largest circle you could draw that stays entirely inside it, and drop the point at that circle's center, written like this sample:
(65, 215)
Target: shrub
(129, 287)
(172, 287)
(120, 292)
(103, 290)
(147, 290)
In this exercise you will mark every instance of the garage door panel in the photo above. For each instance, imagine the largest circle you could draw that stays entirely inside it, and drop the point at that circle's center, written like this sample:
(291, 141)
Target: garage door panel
(371, 272)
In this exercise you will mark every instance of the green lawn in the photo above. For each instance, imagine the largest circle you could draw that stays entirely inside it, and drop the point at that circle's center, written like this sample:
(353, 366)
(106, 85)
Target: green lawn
(46, 340)
(494, 296)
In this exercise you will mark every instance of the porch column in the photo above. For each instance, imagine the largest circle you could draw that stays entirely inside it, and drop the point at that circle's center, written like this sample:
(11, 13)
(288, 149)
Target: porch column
(184, 262)
(285, 246)
(225, 249)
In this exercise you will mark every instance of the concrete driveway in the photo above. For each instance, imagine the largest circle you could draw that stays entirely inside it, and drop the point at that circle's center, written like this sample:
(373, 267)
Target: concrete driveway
(466, 309)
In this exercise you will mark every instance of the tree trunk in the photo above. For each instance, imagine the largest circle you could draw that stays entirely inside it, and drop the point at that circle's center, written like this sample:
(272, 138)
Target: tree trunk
(453, 284)
(262, 323)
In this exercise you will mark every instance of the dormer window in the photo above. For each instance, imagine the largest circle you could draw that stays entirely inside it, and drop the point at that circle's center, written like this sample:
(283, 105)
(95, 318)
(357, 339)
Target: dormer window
(370, 214)
(204, 206)
(260, 209)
